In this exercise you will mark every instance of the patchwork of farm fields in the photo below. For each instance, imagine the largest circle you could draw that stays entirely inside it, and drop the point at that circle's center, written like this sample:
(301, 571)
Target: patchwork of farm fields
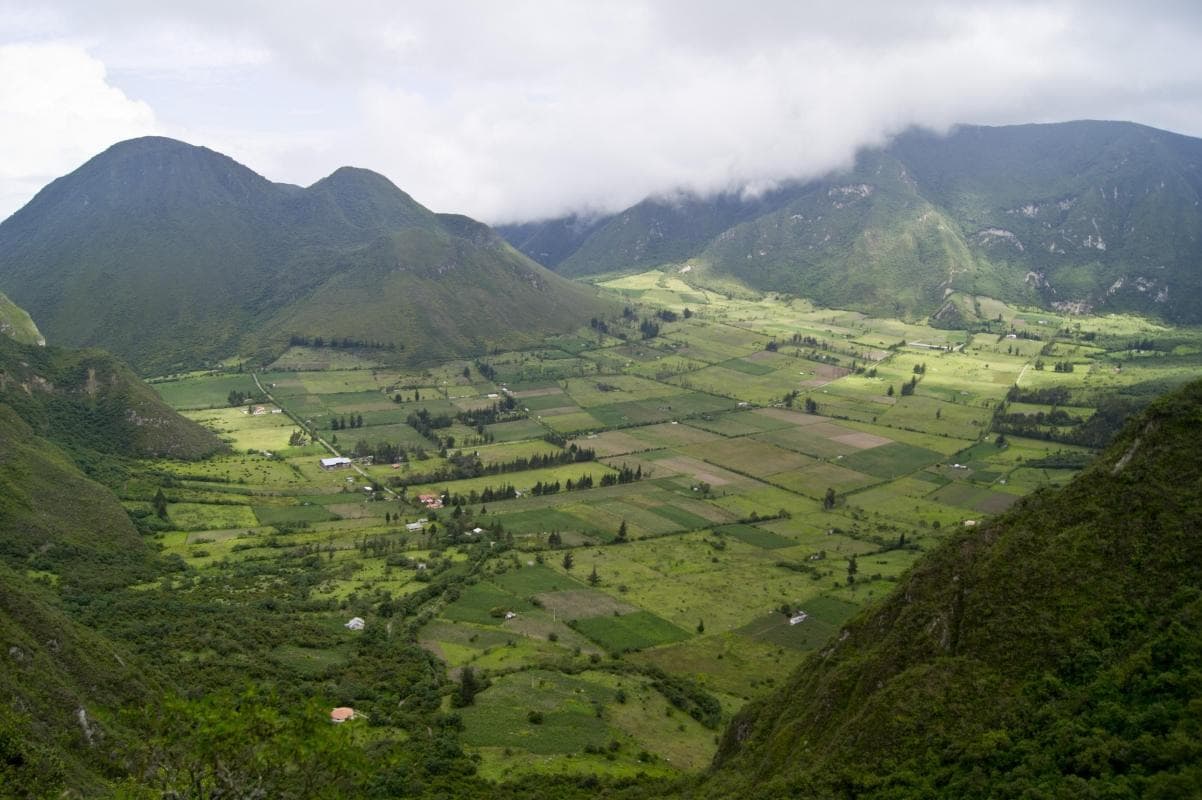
(620, 540)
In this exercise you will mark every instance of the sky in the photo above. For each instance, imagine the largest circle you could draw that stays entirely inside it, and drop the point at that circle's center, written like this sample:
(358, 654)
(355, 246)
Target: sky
(515, 111)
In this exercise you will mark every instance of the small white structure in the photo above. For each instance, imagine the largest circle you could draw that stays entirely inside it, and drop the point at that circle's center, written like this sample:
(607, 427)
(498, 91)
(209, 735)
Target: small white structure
(421, 565)
(510, 615)
(477, 531)
(970, 523)
(798, 618)
(414, 527)
(355, 624)
(337, 462)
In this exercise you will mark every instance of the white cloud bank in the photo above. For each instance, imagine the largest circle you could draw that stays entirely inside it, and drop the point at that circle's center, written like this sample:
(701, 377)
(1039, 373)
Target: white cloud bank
(521, 110)
(56, 110)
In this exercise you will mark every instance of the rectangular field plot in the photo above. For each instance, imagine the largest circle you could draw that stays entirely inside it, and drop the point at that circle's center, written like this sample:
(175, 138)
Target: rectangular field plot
(818, 441)
(572, 423)
(813, 481)
(742, 423)
(645, 412)
(204, 392)
(610, 389)
(635, 631)
(528, 580)
(207, 516)
(824, 616)
(614, 443)
(484, 603)
(582, 603)
(279, 515)
(977, 498)
(698, 470)
(516, 430)
(755, 535)
(546, 520)
(891, 460)
(756, 458)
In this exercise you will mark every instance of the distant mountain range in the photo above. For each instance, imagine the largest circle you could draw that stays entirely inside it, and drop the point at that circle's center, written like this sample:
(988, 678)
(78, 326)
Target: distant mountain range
(1077, 216)
(169, 255)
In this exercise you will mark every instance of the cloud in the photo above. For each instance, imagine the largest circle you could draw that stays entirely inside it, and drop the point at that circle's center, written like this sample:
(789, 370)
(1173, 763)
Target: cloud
(530, 109)
(56, 111)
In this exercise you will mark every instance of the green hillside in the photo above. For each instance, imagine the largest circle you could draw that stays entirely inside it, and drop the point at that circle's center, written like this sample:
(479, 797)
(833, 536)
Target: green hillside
(1055, 652)
(17, 324)
(170, 255)
(1076, 216)
(90, 403)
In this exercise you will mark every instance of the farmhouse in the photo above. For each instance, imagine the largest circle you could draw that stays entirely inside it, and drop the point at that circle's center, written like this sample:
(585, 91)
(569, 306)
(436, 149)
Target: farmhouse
(414, 527)
(355, 624)
(798, 618)
(430, 500)
(342, 714)
(337, 462)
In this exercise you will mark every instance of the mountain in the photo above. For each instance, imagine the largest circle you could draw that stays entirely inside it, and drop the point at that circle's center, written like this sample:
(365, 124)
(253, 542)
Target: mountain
(17, 324)
(169, 255)
(1080, 215)
(1053, 652)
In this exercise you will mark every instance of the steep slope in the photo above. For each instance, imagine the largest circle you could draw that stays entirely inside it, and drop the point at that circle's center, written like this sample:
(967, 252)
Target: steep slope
(1055, 652)
(89, 402)
(16, 324)
(168, 254)
(1104, 215)
(60, 683)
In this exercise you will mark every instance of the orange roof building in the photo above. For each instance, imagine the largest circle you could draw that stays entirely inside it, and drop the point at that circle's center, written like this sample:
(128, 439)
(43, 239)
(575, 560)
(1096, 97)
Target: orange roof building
(342, 714)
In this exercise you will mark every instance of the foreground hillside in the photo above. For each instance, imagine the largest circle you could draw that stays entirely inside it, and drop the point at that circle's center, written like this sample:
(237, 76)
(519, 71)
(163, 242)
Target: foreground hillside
(168, 254)
(59, 529)
(1056, 652)
(1075, 215)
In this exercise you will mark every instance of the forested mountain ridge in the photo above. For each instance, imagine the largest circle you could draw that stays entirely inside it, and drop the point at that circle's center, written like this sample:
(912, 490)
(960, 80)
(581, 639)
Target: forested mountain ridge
(1079, 215)
(1055, 651)
(168, 254)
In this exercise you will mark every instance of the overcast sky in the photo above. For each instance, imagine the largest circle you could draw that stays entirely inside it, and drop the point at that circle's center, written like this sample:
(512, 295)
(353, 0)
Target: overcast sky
(522, 110)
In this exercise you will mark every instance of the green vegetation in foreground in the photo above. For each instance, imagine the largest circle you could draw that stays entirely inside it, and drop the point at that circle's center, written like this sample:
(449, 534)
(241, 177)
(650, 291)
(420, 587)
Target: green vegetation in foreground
(750, 467)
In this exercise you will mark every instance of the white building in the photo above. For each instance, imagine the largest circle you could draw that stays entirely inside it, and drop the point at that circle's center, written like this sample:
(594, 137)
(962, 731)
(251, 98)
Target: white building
(355, 624)
(337, 462)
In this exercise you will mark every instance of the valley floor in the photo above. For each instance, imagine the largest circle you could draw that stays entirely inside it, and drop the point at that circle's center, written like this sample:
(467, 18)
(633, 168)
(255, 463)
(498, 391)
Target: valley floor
(727, 492)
